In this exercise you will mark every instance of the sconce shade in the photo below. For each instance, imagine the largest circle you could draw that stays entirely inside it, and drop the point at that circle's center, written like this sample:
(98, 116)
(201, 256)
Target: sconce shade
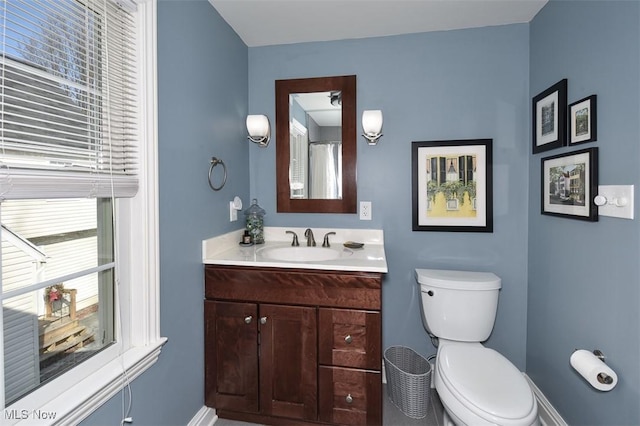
(372, 125)
(259, 129)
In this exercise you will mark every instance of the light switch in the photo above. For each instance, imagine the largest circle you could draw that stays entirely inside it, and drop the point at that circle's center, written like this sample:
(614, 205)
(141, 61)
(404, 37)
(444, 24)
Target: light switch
(615, 201)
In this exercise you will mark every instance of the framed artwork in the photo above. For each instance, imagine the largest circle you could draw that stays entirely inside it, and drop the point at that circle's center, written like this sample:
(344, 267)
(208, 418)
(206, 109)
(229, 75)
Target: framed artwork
(569, 183)
(583, 126)
(550, 117)
(452, 185)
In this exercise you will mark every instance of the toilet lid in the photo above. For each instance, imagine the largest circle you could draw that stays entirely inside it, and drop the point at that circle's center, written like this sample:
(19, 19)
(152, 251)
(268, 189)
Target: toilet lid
(485, 381)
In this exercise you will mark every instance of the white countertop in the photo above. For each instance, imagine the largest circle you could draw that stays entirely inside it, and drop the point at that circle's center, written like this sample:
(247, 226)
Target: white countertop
(226, 250)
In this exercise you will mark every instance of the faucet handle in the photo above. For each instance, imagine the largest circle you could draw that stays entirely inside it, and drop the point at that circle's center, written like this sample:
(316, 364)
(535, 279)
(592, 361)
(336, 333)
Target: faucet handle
(295, 242)
(325, 243)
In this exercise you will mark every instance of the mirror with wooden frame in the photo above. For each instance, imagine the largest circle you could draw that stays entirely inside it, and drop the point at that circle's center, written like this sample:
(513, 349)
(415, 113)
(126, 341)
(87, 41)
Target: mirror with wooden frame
(316, 145)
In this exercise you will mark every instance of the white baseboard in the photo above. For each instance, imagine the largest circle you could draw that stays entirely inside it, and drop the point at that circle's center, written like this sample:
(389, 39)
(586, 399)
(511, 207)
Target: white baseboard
(549, 416)
(204, 417)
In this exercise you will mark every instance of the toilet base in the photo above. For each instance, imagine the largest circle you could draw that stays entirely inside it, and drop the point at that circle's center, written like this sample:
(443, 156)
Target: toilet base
(446, 420)
(449, 419)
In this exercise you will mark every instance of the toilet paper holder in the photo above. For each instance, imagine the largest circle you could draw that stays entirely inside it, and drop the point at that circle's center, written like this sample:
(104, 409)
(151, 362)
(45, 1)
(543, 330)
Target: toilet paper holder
(598, 353)
(603, 378)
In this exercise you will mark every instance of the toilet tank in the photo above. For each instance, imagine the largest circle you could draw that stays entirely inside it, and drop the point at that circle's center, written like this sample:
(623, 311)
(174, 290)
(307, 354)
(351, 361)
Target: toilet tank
(458, 305)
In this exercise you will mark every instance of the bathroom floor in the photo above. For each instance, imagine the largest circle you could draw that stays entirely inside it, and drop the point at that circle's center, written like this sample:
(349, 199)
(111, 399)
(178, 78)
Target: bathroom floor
(392, 416)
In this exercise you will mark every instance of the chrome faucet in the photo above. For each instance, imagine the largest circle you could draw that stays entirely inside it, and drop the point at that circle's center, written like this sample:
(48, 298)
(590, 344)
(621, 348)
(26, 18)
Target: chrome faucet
(325, 243)
(295, 242)
(310, 240)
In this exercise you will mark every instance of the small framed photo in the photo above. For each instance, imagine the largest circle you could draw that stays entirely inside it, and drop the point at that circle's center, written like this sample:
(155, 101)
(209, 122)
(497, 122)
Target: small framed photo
(452, 185)
(583, 126)
(569, 183)
(549, 119)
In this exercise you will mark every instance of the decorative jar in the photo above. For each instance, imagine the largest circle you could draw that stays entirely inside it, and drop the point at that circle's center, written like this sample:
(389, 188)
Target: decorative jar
(255, 222)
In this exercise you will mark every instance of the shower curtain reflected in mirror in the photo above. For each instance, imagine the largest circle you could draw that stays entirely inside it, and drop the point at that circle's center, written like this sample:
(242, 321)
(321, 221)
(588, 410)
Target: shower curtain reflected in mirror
(325, 170)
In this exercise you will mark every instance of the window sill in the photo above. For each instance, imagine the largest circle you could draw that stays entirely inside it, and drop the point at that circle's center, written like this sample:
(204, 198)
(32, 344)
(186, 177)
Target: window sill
(84, 397)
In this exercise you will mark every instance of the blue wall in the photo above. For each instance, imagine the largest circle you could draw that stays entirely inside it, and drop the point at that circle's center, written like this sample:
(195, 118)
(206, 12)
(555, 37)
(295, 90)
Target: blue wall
(584, 277)
(443, 85)
(202, 105)
(474, 83)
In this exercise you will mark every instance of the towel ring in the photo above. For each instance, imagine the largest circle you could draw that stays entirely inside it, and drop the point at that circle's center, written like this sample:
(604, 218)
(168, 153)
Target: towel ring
(214, 162)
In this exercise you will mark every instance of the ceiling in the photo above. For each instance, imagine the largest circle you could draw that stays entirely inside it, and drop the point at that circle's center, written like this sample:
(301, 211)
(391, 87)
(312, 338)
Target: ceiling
(270, 22)
(318, 105)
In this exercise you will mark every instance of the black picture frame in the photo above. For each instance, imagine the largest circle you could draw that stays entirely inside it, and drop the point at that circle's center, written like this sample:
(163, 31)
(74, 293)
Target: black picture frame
(549, 118)
(452, 183)
(583, 120)
(569, 182)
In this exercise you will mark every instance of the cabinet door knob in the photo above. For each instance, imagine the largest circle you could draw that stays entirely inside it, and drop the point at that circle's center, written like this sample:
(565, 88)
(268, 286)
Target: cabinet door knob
(263, 320)
(349, 399)
(348, 339)
(248, 319)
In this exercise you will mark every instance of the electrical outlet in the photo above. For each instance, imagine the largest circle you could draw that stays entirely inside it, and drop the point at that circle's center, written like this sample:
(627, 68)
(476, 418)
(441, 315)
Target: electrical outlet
(365, 210)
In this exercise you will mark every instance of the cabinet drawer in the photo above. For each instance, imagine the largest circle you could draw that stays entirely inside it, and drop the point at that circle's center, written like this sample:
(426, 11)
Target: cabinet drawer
(349, 396)
(350, 338)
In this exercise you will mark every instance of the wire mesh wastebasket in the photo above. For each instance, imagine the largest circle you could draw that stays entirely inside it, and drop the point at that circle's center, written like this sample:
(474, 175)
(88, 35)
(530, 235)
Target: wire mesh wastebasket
(408, 380)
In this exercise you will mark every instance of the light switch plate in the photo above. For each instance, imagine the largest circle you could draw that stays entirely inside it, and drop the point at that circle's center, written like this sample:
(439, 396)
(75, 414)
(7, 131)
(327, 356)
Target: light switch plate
(613, 194)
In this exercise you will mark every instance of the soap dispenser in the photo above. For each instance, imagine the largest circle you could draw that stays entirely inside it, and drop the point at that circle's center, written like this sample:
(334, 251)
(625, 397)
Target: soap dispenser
(255, 221)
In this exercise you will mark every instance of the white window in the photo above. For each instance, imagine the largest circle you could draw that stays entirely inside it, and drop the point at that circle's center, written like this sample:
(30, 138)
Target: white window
(78, 204)
(57, 287)
(299, 153)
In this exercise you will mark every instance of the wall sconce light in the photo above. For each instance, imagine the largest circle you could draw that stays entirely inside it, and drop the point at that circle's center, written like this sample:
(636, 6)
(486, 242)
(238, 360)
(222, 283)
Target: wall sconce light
(259, 130)
(372, 126)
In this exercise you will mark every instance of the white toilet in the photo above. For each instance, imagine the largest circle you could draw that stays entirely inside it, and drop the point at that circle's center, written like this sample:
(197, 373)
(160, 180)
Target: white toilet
(477, 385)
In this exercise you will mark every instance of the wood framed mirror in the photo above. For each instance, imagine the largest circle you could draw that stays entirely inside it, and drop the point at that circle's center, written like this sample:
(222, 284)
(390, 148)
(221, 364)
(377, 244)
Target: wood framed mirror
(316, 145)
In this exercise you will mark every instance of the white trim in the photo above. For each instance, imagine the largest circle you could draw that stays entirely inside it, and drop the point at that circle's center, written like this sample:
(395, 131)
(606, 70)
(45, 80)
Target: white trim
(548, 415)
(94, 390)
(298, 127)
(145, 229)
(206, 416)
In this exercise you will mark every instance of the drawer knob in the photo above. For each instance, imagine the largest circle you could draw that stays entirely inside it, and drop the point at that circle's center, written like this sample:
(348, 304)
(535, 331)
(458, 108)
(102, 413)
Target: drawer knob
(248, 319)
(349, 399)
(348, 339)
(263, 320)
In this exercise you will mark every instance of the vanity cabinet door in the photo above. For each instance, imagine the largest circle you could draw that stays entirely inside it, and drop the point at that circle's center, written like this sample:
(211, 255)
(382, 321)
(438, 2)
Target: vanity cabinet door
(288, 361)
(231, 355)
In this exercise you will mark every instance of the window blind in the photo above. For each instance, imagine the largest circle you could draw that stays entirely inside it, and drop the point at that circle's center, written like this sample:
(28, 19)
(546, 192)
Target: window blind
(68, 113)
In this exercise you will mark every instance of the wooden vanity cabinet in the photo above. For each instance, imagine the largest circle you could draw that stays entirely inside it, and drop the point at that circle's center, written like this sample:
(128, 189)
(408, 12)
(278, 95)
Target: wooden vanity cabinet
(293, 346)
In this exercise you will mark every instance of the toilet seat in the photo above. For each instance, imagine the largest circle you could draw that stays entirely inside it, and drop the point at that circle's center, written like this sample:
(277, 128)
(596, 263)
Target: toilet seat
(487, 384)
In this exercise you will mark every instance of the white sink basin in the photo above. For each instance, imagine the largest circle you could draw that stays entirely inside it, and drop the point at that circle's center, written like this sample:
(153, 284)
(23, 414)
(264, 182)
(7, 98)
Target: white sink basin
(304, 253)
